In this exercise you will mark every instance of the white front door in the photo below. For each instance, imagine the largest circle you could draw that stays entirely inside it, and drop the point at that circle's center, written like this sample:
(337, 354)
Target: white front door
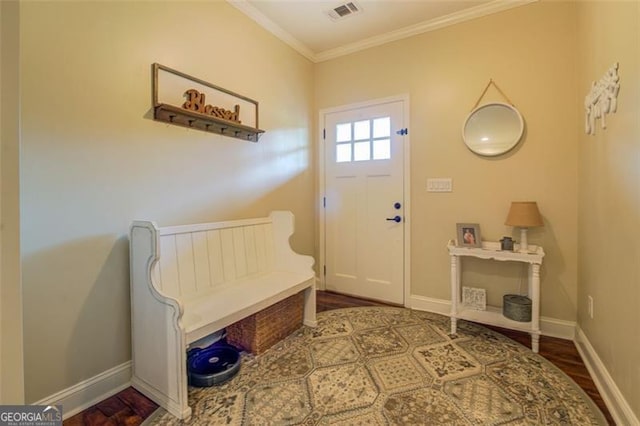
(364, 201)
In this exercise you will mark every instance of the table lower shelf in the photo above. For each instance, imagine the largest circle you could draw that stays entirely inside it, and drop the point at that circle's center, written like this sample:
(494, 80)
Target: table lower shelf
(493, 316)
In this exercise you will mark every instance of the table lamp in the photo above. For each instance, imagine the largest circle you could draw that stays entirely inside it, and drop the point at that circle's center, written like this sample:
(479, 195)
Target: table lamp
(524, 214)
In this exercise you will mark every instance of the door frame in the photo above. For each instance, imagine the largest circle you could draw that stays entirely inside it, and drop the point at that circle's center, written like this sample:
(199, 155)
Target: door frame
(404, 98)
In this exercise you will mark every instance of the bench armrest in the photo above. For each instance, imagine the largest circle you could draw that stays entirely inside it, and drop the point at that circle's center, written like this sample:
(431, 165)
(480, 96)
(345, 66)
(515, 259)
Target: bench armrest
(285, 258)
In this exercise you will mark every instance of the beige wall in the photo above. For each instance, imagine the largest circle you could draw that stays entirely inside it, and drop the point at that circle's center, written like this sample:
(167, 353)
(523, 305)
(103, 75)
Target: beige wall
(609, 194)
(445, 72)
(11, 361)
(93, 160)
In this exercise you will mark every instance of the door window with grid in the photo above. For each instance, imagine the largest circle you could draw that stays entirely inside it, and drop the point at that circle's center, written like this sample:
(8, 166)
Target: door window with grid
(363, 140)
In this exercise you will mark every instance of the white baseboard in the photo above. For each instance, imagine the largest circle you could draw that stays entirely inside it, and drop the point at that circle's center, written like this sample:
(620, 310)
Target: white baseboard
(437, 306)
(548, 326)
(554, 327)
(616, 403)
(89, 392)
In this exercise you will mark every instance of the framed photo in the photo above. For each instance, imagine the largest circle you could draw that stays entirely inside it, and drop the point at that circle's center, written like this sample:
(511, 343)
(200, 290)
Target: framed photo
(468, 235)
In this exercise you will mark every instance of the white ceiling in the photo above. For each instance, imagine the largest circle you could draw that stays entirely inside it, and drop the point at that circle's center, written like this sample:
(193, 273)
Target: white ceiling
(306, 26)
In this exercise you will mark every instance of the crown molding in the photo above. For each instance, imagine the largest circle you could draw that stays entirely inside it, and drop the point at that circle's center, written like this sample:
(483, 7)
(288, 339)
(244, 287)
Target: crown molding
(422, 27)
(245, 7)
(489, 8)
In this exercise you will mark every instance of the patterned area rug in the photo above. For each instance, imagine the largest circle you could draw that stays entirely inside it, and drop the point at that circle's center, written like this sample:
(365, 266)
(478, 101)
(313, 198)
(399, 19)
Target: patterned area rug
(379, 365)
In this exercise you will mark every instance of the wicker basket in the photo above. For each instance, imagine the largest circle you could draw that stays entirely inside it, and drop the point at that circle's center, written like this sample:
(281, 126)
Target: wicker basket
(260, 331)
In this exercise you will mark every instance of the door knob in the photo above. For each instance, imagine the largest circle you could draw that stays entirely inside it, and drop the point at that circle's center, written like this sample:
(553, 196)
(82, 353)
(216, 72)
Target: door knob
(396, 219)
(397, 206)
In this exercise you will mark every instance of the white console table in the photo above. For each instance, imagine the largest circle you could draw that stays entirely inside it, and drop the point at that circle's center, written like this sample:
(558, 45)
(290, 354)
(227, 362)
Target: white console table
(493, 315)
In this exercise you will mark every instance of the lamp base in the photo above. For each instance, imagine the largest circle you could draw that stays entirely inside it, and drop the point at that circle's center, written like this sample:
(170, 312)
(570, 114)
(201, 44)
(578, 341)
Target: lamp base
(524, 245)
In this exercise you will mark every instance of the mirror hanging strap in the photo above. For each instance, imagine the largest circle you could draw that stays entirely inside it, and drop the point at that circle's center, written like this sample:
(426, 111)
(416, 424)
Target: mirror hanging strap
(485, 91)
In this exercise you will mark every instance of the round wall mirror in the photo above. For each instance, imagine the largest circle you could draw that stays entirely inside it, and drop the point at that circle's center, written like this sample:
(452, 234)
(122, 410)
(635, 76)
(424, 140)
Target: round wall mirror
(493, 129)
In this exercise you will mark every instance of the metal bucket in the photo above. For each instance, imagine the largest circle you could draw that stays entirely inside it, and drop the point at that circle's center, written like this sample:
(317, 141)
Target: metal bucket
(516, 307)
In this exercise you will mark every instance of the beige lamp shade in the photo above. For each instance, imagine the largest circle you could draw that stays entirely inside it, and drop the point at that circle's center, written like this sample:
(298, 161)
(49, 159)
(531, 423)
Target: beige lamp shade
(524, 214)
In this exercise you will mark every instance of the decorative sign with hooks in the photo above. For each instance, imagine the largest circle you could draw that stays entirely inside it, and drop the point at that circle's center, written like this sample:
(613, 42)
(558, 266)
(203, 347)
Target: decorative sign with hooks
(203, 106)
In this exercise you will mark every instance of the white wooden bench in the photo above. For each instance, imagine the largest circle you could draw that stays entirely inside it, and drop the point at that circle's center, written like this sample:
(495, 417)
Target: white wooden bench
(193, 280)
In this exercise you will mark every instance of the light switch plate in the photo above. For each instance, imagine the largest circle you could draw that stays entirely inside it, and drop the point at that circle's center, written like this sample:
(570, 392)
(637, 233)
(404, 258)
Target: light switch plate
(439, 185)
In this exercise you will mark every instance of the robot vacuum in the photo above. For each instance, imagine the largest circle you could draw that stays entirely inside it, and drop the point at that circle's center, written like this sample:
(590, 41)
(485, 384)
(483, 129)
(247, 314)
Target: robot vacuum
(213, 365)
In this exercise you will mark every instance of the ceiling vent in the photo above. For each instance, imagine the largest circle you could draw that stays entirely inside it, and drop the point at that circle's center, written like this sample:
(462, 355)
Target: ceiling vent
(344, 11)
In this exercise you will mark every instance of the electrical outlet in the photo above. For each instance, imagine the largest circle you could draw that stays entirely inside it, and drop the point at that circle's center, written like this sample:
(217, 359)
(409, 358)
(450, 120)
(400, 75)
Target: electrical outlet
(590, 306)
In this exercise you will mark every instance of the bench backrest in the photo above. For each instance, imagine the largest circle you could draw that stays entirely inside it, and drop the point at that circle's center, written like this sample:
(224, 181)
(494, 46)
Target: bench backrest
(197, 258)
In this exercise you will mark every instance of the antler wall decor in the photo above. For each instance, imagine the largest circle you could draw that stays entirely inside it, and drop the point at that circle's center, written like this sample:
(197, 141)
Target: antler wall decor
(602, 99)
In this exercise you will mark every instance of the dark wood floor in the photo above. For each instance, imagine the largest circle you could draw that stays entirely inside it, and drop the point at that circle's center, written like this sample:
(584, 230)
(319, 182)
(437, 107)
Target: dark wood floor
(130, 408)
